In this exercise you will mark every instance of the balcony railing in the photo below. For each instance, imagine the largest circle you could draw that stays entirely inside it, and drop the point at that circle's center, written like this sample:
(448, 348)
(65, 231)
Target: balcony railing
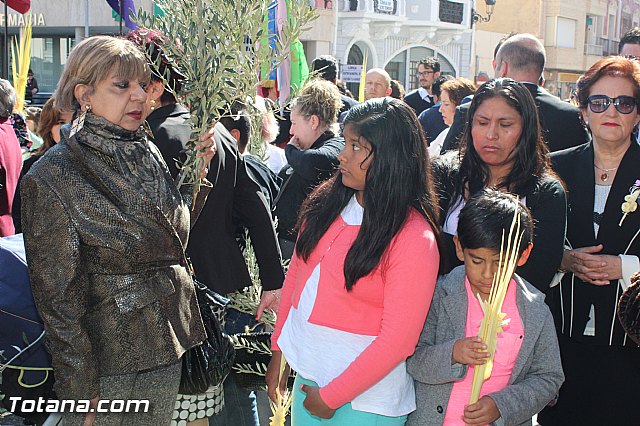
(609, 47)
(593, 49)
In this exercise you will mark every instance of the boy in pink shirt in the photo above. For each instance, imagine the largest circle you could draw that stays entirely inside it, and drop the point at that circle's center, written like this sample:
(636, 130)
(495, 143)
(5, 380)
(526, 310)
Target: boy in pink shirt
(527, 372)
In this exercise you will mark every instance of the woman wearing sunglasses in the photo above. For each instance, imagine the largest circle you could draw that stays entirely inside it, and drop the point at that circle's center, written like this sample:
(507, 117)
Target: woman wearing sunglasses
(601, 363)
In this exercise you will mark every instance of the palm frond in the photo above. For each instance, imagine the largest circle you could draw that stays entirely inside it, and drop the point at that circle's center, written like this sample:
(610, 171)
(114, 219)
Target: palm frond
(494, 319)
(20, 72)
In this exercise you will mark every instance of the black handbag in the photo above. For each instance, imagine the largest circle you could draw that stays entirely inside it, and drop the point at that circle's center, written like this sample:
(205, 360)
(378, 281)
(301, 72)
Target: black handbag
(209, 363)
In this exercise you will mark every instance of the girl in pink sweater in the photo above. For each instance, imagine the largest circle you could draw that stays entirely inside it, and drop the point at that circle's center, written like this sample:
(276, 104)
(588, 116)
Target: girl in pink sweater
(362, 277)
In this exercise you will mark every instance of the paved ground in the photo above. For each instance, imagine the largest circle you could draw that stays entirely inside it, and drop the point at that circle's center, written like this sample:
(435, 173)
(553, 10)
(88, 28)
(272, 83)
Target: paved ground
(7, 419)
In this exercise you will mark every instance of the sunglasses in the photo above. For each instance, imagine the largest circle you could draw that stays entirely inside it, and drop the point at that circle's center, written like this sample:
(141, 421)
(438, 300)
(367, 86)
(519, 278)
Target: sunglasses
(600, 103)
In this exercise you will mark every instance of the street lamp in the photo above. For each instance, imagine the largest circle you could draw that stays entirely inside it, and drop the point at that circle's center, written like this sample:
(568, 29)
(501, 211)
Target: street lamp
(475, 16)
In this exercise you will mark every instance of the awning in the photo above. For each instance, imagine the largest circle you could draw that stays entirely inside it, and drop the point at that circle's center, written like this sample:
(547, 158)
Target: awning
(20, 6)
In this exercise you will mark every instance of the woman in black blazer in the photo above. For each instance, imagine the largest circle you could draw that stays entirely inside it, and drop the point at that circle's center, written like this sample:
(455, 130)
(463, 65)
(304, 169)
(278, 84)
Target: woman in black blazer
(601, 364)
(503, 149)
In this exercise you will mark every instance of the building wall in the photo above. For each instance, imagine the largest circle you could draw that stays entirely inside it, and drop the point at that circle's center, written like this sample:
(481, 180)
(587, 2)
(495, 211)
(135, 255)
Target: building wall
(565, 48)
(572, 42)
(71, 13)
(523, 16)
(508, 16)
(60, 24)
(56, 27)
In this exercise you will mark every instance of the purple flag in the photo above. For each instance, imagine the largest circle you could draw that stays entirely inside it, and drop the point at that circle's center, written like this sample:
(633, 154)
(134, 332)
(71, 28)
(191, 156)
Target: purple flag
(127, 8)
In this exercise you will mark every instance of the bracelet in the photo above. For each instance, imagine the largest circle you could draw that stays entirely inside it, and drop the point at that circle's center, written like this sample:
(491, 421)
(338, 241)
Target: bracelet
(275, 294)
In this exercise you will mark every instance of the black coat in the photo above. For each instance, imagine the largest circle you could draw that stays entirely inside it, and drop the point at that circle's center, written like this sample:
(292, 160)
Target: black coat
(170, 131)
(216, 257)
(575, 167)
(547, 202)
(268, 181)
(304, 171)
(432, 123)
(560, 122)
(415, 101)
(347, 103)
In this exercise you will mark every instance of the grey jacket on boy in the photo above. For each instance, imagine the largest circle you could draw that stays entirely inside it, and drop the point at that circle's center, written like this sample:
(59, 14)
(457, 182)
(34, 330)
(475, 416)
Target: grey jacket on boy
(537, 373)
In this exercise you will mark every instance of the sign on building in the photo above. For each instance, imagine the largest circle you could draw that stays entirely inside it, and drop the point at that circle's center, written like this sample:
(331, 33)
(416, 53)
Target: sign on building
(351, 73)
(18, 20)
(385, 5)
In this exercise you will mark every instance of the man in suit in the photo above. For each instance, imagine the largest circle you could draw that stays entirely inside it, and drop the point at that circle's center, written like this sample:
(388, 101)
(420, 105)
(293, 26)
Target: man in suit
(630, 46)
(326, 67)
(431, 119)
(240, 127)
(630, 43)
(522, 58)
(422, 98)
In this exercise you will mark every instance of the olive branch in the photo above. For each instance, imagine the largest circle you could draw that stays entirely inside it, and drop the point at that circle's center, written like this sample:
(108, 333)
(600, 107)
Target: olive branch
(220, 47)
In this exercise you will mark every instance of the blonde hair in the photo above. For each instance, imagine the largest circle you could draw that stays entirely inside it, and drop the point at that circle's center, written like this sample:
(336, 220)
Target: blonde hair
(270, 128)
(320, 98)
(92, 60)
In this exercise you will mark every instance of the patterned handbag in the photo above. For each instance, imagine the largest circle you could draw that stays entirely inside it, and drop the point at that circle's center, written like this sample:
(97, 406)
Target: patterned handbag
(629, 309)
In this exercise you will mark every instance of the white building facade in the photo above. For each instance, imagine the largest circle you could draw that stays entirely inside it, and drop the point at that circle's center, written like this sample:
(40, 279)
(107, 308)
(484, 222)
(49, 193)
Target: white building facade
(397, 34)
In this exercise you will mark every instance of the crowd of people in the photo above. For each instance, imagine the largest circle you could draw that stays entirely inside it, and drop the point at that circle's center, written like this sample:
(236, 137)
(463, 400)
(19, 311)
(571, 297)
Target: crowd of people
(390, 214)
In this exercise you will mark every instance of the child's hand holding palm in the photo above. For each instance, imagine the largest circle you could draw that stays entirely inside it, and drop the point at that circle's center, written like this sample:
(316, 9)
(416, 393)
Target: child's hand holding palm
(483, 412)
(469, 350)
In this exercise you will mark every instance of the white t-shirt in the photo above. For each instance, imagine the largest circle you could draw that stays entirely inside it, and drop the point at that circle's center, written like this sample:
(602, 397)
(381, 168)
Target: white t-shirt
(276, 159)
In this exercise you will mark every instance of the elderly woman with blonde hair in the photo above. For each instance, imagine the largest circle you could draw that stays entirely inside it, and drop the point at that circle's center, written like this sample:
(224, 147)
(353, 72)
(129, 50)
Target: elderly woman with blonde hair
(107, 259)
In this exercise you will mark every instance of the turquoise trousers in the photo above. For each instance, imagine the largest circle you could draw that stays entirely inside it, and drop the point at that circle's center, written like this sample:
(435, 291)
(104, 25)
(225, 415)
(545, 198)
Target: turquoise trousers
(344, 416)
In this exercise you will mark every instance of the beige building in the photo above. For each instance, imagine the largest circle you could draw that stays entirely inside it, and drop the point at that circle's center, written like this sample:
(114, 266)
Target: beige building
(575, 33)
(57, 26)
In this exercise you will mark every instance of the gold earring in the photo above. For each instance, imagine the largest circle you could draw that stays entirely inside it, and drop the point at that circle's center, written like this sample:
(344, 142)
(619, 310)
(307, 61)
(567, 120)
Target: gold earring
(153, 104)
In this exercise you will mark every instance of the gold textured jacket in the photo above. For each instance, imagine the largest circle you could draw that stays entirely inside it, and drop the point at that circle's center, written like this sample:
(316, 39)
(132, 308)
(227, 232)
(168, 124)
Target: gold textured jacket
(105, 232)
